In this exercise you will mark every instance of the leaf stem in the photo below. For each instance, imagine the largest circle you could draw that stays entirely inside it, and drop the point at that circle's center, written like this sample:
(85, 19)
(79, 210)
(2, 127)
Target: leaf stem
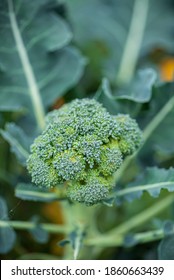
(144, 216)
(133, 42)
(143, 188)
(149, 236)
(146, 134)
(29, 74)
(20, 225)
(116, 235)
(80, 218)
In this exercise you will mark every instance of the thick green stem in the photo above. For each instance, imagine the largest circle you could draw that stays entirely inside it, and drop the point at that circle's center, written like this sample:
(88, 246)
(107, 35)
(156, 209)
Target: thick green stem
(81, 219)
(133, 42)
(27, 68)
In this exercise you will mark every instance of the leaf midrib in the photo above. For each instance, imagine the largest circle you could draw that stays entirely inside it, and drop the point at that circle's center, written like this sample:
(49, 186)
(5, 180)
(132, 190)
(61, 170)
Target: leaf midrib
(27, 67)
(144, 188)
(36, 194)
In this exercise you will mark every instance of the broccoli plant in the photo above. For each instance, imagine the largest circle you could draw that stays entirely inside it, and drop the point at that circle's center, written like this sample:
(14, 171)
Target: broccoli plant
(82, 145)
(86, 127)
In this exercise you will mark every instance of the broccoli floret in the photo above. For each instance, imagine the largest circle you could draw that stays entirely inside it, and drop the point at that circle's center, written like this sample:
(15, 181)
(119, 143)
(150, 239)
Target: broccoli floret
(82, 145)
(42, 171)
(127, 133)
(69, 165)
(91, 191)
(90, 147)
(111, 158)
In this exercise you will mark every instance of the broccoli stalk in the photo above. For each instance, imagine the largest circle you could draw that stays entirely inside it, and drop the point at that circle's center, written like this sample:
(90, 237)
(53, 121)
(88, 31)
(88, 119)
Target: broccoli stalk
(82, 145)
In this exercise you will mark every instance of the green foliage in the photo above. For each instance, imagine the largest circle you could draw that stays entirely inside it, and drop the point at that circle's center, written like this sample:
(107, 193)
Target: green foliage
(84, 145)
(7, 234)
(162, 95)
(38, 233)
(113, 37)
(31, 192)
(33, 57)
(88, 151)
(18, 141)
(153, 180)
(166, 250)
(138, 90)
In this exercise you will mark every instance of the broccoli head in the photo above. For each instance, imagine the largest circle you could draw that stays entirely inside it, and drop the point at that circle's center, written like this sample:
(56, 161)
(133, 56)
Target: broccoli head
(82, 145)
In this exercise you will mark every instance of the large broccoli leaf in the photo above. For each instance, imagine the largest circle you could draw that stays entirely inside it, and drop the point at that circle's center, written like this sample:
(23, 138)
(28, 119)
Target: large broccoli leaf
(35, 65)
(153, 181)
(120, 32)
(139, 90)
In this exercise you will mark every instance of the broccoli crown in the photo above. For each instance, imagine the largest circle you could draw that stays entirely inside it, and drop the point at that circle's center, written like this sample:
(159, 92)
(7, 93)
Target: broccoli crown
(84, 146)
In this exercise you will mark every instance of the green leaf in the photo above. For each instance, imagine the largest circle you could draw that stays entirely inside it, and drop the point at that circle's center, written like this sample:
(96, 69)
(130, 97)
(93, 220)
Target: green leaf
(130, 240)
(166, 248)
(31, 192)
(123, 31)
(153, 181)
(12, 102)
(7, 239)
(66, 69)
(7, 234)
(104, 95)
(160, 142)
(163, 142)
(140, 89)
(35, 65)
(113, 102)
(38, 233)
(168, 227)
(3, 209)
(18, 140)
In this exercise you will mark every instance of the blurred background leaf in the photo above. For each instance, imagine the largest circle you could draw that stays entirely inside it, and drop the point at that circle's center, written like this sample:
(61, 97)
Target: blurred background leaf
(18, 140)
(7, 234)
(34, 56)
(31, 192)
(107, 29)
(166, 248)
(38, 233)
